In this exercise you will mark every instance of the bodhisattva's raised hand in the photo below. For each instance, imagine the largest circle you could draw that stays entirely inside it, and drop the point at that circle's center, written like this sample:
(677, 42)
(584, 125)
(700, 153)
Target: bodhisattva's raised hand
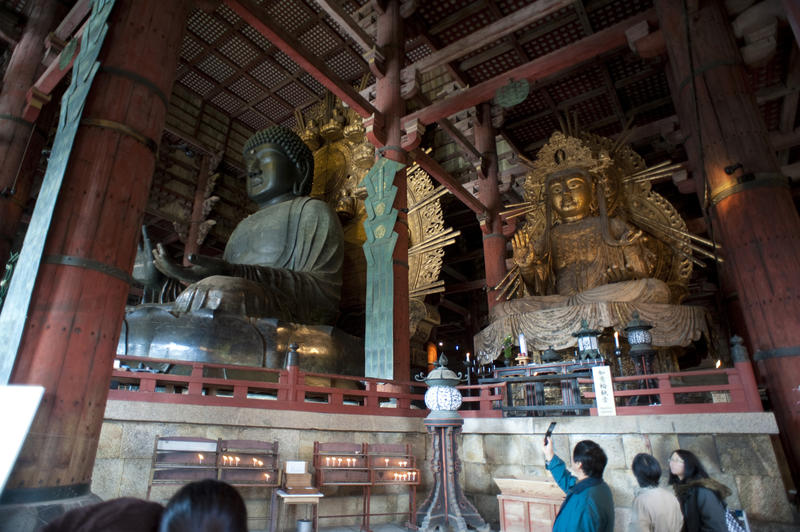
(524, 254)
(201, 267)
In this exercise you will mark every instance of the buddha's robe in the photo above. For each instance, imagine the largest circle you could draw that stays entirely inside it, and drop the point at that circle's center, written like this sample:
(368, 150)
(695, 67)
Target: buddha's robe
(286, 263)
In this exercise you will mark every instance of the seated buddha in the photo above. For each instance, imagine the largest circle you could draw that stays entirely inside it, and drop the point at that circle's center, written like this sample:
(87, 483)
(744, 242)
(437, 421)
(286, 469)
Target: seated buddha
(574, 261)
(285, 260)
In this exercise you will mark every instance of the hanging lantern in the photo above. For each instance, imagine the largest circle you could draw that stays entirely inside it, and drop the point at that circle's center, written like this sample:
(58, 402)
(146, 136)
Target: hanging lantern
(587, 341)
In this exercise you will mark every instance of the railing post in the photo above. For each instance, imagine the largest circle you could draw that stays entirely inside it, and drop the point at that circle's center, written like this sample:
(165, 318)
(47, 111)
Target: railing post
(665, 391)
(741, 361)
(147, 382)
(196, 380)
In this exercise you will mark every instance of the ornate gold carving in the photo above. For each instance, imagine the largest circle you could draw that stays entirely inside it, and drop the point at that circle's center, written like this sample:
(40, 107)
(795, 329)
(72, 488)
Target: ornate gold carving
(342, 156)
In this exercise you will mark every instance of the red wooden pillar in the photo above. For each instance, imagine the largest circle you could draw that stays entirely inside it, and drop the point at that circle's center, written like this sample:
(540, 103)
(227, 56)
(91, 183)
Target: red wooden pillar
(752, 212)
(494, 243)
(16, 133)
(389, 102)
(78, 303)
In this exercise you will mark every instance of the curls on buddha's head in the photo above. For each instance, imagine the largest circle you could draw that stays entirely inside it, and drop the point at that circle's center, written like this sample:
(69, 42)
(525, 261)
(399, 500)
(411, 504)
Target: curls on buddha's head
(294, 148)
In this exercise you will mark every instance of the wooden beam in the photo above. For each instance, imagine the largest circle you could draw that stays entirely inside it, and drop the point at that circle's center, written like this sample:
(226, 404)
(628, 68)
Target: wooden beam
(334, 10)
(258, 19)
(540, 68)
(470, 286)
(427, 163)
(488, 34)
(73, 19)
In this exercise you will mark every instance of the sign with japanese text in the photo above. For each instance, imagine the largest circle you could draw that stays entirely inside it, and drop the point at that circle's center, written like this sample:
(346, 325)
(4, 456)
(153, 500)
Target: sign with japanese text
(604, 391)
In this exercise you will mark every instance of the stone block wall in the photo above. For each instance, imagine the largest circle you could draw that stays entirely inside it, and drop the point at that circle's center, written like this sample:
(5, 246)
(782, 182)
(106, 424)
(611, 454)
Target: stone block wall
(735, 448)
(125, 451)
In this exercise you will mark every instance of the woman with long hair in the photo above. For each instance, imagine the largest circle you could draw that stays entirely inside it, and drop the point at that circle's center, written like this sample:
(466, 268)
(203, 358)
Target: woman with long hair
(701, 497)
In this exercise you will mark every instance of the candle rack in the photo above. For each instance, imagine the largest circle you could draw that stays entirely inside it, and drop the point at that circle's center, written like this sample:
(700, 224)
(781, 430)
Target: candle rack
(368, 466)
(241, 463)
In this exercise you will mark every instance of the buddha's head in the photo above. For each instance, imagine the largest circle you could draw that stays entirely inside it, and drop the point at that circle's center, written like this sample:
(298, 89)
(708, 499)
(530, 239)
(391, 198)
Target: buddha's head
(279, 165)
(571, 194)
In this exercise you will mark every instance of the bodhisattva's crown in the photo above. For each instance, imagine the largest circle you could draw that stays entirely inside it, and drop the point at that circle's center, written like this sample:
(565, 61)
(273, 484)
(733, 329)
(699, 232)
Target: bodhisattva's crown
(564, 152)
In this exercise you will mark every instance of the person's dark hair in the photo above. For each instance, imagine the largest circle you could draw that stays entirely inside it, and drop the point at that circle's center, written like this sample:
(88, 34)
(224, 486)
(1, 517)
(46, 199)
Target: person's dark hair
(205, 506)
(692, 468)
(294, 148)
(592, 458)
(646, 469)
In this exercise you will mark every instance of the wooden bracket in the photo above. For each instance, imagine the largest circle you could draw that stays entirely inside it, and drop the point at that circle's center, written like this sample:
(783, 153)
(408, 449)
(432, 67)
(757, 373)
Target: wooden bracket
(644, 43)
(375, 59)
(410, 83)
(414, 130)
(375, 130)
(408, 7)
(36, 100)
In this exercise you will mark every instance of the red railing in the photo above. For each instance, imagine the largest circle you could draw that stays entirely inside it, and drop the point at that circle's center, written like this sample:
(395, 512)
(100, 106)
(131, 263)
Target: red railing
(292, 389)
(664, 387)
(289, 389)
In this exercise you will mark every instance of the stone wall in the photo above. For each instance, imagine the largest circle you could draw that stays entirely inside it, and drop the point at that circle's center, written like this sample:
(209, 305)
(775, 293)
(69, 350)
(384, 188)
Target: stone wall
(125, 451)
(736, 449)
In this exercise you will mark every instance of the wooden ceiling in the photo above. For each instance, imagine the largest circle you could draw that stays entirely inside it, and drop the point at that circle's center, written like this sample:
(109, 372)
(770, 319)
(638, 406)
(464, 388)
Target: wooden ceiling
(249, 64)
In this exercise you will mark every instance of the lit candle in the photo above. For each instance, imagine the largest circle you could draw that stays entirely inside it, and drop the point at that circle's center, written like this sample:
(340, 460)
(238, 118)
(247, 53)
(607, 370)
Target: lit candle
(200, 457)
(260, 463)
(387, 461)
(328, 461)
(237, 460)
(616, 339)
(339, 462)
(523, 347)
(266, 477)
(468, 358)
(224, 460)
(255, 462)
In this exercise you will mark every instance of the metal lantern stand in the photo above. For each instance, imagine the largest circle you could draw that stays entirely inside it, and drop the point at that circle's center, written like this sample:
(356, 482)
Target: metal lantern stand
(446, 506)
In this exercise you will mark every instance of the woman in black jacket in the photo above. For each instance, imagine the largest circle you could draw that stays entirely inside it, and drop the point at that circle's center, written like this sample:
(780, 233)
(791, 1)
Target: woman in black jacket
(701, 497)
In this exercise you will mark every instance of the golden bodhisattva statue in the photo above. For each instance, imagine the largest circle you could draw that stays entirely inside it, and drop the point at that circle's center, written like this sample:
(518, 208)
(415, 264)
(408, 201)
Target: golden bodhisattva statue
(596, 244)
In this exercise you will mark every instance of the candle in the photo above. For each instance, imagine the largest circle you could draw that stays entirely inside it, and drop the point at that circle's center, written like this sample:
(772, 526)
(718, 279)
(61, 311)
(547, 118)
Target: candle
(224, 460)
(387, 461)
(523, 347)
(339, 462)
(260, 463)
(467, 359)
(616, 339)
(237, 460)
(328, 461)
(200, 457)
(266, 477)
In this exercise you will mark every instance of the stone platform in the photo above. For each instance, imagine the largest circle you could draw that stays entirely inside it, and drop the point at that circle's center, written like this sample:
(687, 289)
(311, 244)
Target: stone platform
(737, 449)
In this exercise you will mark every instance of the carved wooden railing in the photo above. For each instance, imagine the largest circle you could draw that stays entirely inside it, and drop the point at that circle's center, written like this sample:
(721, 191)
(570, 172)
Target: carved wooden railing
(293, 389)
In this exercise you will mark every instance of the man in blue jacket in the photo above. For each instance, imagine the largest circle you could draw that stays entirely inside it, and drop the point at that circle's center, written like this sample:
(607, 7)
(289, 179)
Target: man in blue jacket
(589, 506)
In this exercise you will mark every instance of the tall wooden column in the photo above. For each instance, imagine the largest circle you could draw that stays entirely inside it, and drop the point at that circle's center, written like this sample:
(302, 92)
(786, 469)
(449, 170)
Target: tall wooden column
(751, 208)
(494, 242)
(79, 299)
(389, 102)
(16, 133)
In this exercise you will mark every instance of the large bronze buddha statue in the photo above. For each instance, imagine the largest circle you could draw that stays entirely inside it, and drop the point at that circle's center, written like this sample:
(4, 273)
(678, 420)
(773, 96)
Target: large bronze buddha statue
(577, 256)
(278, 280)
(285, 260)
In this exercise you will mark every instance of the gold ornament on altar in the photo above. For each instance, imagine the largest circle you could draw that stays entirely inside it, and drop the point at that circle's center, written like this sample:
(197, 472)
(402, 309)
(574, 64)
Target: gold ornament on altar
(342, 157)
